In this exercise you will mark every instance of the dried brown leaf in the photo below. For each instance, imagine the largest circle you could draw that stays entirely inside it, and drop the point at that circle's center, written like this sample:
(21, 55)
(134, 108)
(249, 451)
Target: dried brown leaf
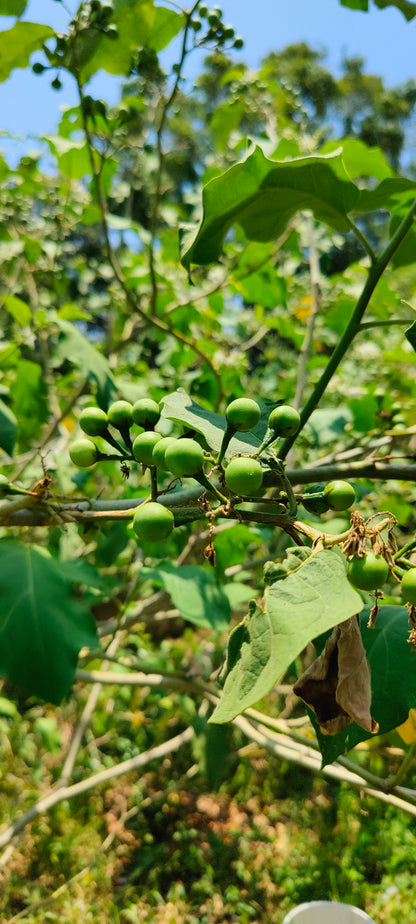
(337, 685)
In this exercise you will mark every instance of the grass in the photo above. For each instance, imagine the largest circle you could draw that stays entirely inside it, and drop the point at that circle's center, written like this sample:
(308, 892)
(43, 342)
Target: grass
(266, 838)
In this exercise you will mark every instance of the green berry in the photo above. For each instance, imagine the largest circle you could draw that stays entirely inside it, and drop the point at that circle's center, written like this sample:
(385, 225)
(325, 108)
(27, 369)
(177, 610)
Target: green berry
(243, 414)
(243, 475)
(83, 453)
(339, 495)
(56, 84)
(238, 43)
(284, 420)
(203, 11)
(158, 454)
(317, 505)
(38, 68)
(120, 414)
(184, 458)
(93, 421)
(369, 572)
(152, 522)
(144, 445)
(409, 586)
(146, 413)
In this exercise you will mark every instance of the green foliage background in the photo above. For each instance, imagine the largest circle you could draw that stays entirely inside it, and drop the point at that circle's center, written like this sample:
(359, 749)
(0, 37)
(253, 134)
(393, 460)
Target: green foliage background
(196, 243)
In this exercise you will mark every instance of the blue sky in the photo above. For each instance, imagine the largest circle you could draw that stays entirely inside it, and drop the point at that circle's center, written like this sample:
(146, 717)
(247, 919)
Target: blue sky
(28, 106)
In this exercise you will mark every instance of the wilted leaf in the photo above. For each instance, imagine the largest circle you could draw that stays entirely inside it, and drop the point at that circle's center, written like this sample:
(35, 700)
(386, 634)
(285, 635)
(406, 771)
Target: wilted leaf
(393, 679)
(337, 685)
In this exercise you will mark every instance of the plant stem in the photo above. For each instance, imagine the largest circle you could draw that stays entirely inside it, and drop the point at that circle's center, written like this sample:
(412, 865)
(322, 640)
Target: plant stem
(353, 327)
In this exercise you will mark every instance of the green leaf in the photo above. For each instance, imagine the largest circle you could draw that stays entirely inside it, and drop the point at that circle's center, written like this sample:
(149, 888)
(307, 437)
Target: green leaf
(29, 393)
(72, 156)
(408, 9)
(195, 593)
(393, 679)
(410, 335)
(166, 24)
(180, 407)
(93, 365)
(12, 7)
(394, 194)
(359, 159)
(43, 625)
(262, 195)
(18, 309)
(8, 428)
(18, 43)
(302, 597)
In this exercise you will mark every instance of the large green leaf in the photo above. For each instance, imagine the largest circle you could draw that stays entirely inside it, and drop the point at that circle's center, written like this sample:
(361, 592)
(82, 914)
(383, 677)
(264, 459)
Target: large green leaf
(359, 159)
(393, 679)
(93, 365)
(12, 7)
(196, 593)
(302, 595)
(43, 625)
(180, 407)
(18, 43)
(8, 428)
(262, 195)
(408, 9)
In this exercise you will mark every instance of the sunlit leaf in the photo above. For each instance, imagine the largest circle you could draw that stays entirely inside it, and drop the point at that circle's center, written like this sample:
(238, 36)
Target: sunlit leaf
(296, 604)
(18, 43)
(196, 593)
(262, 195)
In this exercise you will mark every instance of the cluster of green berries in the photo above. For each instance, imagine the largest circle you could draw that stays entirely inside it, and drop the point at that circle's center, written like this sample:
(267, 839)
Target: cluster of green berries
(95, 15)
(217, 30)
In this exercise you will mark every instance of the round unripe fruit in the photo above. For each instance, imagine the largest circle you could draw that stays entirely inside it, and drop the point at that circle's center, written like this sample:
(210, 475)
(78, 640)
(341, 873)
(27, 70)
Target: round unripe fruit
(120, 414)
(284, 420)
(339, 495)
(83, 453)
(409, 586)
(158, 455)
(184, 458)
(144, 445)
(93, 421)
(243, 475)
(152, 522)
(317, 505)
(369, 572)
(243, 414)
(146, 413)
